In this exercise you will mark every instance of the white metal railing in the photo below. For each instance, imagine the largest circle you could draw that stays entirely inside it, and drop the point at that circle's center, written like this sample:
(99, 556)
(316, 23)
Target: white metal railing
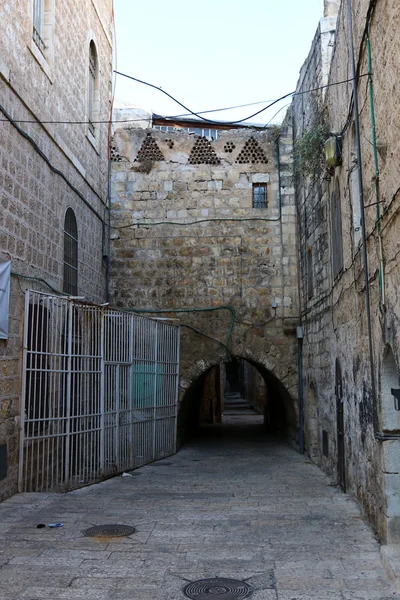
(99, 392)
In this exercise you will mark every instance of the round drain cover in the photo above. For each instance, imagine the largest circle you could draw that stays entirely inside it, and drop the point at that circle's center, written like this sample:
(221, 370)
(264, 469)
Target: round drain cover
(112, 530)
(221, 588)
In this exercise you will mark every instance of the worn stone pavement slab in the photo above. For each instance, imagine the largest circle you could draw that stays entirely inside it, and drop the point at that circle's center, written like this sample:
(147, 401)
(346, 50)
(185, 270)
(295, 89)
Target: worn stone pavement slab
(232, 504)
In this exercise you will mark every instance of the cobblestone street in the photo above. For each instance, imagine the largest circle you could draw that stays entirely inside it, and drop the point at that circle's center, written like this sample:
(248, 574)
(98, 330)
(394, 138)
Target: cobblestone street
(232, 504)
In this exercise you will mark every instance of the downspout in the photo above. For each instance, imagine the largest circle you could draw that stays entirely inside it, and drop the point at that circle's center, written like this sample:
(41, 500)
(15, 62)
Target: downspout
(108, 232)
(109, 172)
(278, 165)
(377, 174)
(361, 198)
(300, 388)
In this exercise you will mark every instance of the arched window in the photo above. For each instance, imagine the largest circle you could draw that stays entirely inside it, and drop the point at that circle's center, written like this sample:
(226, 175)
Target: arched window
(389, 416)
(70, 280)
(93, 89)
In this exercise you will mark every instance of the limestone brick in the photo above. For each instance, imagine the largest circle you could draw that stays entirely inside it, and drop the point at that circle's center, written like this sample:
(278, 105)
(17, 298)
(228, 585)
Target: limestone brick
(210, 252)
(48, 87)
(334, 314)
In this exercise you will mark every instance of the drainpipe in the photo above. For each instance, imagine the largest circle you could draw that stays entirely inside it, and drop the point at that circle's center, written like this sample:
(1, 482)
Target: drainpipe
(299, 332)
(361, 198)
(278, 164)
(376, 162)
(108, 232)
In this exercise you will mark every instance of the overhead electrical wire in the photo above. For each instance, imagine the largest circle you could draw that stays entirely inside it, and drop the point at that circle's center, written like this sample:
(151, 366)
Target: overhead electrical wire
(368, 17)
(186, 223)
(51, 166)
(276, 114)
(246, 118)
(196, 114)
(203, 112)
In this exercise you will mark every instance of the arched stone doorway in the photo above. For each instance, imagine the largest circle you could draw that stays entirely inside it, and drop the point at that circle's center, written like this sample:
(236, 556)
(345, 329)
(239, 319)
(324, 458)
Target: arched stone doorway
(203, 400)
(389, 421)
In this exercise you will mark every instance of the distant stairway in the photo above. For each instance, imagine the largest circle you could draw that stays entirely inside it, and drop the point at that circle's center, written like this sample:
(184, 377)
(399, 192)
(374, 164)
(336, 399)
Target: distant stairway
(234, 404)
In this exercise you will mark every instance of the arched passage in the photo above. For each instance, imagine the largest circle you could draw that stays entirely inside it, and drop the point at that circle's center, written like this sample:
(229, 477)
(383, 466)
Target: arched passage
(209, 398)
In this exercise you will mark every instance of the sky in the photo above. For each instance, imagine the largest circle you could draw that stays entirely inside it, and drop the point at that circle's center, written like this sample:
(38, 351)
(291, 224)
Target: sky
(213, 54)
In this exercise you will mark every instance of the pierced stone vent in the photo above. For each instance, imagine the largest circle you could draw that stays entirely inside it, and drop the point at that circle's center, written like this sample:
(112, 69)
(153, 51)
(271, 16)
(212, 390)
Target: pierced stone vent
(203, 153)
(252, 153)
(229, 147)
(149, 150)
(114, 154)
(170, 143)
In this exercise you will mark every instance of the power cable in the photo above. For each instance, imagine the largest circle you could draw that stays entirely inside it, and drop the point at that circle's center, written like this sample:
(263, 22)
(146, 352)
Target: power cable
(368, 18)
(50, 164)
(240, 120)
(39, 279)
(196, 114)
(209, 337)
(183, 223)
(276, 114)
(189, 310)
(203, 112)
(106, 122)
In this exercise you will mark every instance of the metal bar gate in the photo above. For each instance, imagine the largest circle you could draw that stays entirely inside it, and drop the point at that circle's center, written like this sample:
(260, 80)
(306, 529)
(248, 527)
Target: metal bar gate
(99, 392)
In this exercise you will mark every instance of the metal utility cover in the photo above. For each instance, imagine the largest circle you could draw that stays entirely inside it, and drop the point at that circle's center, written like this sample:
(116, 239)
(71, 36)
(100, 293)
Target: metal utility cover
(218, 587)
(111, 530)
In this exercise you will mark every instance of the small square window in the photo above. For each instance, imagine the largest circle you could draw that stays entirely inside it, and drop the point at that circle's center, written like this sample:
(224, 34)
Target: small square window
(260, 195)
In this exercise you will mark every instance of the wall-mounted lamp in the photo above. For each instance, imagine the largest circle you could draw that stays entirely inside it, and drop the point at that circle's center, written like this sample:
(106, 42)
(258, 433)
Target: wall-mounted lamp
(333, 151)
(396, 394)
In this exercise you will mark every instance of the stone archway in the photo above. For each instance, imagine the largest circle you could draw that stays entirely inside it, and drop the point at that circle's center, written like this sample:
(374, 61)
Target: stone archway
(389, 419)
(280, 408)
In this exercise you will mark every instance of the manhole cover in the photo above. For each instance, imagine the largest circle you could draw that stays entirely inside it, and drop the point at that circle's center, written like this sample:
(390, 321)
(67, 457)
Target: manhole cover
(221, 588)
(112, 530)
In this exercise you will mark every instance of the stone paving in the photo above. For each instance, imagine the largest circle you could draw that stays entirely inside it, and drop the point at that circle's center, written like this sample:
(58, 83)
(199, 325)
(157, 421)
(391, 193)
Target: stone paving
(232, 504)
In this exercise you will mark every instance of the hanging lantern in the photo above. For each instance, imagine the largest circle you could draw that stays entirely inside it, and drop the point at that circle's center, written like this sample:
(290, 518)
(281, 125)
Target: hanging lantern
(333, 151)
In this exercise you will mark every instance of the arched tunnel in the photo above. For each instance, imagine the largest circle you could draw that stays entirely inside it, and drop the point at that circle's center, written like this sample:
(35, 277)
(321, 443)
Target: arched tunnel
(227, 395)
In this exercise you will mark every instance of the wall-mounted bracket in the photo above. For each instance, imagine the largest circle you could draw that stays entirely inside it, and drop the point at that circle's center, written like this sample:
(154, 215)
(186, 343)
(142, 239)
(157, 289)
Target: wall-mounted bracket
(396, 394)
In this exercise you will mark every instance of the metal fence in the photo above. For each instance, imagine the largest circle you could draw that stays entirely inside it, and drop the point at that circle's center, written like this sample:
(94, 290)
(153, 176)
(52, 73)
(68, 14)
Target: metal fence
(99, 393)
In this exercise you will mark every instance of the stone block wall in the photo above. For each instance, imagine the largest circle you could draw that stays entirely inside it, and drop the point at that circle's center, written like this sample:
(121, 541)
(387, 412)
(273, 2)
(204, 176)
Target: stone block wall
(314, 254)
(335, 316)
(186, 236)
(42, 93)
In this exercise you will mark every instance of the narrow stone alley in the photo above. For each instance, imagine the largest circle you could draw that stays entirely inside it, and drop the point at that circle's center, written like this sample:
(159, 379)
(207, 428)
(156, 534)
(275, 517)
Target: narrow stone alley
(231, 504)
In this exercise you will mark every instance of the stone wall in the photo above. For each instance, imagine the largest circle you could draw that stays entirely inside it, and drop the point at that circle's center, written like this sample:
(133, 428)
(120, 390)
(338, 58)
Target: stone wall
(40, 91)
(315, 267)
(256, 389)
(186, 237)
(337, 364)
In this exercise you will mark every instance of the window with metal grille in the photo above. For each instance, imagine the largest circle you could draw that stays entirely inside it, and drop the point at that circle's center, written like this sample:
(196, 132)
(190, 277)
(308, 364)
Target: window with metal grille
(337, 242)
(260, 195)
(38, 24)
(70, 280)
(92, 87)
